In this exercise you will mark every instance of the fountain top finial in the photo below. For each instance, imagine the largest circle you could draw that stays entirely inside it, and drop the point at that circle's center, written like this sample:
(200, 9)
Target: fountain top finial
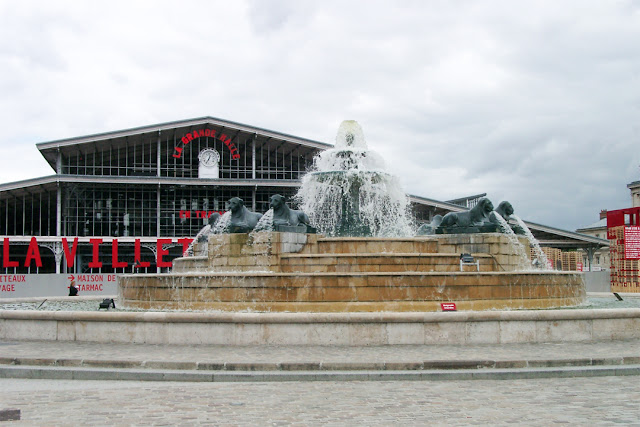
(350, 135)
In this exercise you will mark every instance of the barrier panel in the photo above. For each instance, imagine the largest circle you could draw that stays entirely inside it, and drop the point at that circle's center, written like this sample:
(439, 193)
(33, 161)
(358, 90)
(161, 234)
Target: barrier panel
(53, 285)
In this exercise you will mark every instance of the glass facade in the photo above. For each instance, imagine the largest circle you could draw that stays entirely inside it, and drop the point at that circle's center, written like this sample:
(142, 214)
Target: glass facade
(140, 157)
(28, 214)
(142, 185)
(109, 210)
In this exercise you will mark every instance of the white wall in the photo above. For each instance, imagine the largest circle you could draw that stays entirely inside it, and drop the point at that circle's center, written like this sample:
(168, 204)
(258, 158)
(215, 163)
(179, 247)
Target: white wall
(597, 281)
(51, 285)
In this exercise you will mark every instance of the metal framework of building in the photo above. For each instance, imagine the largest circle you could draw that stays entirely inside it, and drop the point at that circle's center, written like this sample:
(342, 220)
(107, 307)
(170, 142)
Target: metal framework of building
(137, 186)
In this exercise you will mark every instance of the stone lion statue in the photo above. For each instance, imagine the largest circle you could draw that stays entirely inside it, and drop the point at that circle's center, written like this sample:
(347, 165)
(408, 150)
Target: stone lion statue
(283, 215)
(242, 219)
(505, 209)
(478, 215)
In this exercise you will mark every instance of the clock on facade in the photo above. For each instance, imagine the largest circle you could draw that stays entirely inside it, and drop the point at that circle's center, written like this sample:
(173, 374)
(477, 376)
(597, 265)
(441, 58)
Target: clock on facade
(209, 161)
(209, 157)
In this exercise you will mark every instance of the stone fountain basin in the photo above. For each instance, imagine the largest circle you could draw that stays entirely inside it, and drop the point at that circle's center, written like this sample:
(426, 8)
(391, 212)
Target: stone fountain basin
(356, 329)
(352, 292)
(292, 272)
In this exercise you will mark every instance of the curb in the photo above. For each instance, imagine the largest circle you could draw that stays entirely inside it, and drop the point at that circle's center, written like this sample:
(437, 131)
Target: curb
(111, 374)
(445, 365)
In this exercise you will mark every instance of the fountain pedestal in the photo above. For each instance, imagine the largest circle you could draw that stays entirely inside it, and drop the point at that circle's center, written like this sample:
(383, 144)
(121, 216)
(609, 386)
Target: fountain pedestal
(276, 272)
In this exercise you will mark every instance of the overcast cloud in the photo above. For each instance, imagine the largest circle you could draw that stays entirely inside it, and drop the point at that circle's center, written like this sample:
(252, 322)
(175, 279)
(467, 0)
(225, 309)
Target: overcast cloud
(535, 102)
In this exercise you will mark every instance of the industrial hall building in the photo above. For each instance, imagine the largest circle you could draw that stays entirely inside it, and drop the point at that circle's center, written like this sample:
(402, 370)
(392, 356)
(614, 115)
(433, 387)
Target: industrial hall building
(131, 200)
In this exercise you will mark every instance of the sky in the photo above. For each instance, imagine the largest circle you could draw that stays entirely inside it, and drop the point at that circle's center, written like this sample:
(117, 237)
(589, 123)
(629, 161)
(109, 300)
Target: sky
(534, 102)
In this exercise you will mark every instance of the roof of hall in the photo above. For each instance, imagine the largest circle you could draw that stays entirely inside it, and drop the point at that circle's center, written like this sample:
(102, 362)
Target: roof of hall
(452, 207)
(552, 236)
(598, 224)
(49, 149)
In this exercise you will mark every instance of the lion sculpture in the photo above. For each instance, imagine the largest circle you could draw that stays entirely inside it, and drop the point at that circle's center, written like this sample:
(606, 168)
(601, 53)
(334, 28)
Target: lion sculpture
(242, 219)
(505, 210)
(477, 216)
(283, 215)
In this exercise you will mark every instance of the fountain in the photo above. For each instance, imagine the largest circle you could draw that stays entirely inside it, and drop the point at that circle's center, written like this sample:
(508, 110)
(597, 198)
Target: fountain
(349, 193)
(540, 258)
(365, 257)
(502, 216)
(365, 279)
(514, 241)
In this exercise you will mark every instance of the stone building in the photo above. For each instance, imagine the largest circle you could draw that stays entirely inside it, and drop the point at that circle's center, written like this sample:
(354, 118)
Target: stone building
(634, 187)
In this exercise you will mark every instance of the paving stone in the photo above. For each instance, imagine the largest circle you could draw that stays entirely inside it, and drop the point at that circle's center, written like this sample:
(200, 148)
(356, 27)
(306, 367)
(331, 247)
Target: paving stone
(133, 355)
(608, 396)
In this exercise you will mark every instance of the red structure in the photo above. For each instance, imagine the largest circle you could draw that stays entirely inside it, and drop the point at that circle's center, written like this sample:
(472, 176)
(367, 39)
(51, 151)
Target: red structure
(623, 232)
(628, 217)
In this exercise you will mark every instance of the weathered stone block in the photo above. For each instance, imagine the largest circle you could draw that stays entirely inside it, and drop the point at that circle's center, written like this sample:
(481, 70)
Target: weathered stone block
(368, 334)
(444, 333)
(482, 332)
(554, 331)
(405, 333)
(336, 294)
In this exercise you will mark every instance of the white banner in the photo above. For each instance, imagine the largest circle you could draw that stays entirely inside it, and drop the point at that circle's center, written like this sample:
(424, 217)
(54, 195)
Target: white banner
(56, 285)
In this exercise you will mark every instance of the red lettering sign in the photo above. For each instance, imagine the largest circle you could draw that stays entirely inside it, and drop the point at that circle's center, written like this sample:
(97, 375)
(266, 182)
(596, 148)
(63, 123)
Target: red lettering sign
(13, 278)
(95, 262)
(185, 242)
(33, 253)
(8, 288)
(138, 256)
(198, 214)
(114, 256)
(448, 306)
(632, 243)
(199, 133)
(90, 288)
(70, 256)
(6, 262)
(162, 252)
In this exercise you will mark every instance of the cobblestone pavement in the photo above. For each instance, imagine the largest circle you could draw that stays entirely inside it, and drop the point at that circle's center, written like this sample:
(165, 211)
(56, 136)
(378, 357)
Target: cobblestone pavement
(575, 401)
(270, 354)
